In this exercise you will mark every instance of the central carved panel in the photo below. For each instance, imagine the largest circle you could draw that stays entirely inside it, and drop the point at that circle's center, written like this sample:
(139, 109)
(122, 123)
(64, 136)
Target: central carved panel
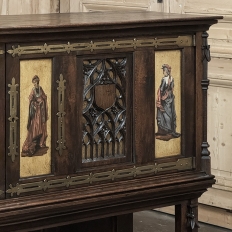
(104, 109)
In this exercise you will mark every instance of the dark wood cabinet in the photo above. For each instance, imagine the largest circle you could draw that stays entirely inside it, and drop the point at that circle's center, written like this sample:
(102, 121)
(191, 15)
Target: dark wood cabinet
(102, 114)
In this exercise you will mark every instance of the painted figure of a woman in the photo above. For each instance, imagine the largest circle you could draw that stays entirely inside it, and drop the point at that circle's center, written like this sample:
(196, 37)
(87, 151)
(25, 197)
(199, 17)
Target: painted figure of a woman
(165, 103)
(35, 143)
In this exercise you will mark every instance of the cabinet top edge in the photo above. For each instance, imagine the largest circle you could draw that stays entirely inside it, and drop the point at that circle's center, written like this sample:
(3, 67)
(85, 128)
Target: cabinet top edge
(10, 24)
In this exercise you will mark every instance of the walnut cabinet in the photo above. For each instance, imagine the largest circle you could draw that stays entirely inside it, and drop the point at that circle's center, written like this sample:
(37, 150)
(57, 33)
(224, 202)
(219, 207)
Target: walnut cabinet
(102, 115)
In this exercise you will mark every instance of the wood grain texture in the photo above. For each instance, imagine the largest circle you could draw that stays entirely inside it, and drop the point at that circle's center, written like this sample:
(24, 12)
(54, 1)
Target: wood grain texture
(85, 20)
(144, 113)
(65, 163)
(180, 217)
(94, 202)
(188, 95)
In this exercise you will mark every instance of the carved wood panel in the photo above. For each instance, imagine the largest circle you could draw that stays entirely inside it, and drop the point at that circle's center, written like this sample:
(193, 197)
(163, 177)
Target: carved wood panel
(104, 109)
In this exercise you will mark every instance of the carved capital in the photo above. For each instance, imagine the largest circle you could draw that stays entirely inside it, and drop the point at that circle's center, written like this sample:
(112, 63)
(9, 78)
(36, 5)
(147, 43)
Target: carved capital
(206, 47)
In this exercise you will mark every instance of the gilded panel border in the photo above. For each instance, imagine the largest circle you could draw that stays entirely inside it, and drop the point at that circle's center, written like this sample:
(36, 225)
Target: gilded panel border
(180, 41)
(153, 169)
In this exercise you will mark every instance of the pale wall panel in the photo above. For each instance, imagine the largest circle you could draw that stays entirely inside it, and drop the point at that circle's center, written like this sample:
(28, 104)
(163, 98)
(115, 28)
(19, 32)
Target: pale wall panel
(220, 128)
(64, 6)
(15, 7)
(222, 7)
(177, 6)
(3, 7)
(147, 2)
(88, 6)
(75, 5)
(221, 69)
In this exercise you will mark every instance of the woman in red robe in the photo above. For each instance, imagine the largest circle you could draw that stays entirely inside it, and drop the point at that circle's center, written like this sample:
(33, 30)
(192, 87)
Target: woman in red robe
(37, 121)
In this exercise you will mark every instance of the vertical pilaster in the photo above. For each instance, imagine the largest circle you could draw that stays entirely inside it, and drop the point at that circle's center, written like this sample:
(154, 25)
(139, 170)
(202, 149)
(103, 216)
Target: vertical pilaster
(205, 158)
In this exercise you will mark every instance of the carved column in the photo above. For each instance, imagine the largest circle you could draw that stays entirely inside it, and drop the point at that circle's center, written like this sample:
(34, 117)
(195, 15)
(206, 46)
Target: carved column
(205, 158)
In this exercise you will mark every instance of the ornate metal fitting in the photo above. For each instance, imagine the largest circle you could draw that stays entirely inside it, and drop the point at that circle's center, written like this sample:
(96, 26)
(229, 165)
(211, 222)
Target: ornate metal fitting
(61, 115)
(13, 119)
(206, 47)
(153, 169)
(180, 41)
(191, 218)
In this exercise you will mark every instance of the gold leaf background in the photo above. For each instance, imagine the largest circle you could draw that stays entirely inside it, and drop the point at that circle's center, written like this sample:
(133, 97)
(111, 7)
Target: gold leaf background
(35, 165)
(173, 58)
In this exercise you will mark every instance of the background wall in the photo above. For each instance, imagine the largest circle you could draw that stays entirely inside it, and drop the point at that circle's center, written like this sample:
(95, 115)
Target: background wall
(216, 204)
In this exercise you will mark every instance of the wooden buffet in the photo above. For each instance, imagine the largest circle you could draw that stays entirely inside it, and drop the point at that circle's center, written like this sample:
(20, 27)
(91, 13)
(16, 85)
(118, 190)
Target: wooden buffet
(102, 114)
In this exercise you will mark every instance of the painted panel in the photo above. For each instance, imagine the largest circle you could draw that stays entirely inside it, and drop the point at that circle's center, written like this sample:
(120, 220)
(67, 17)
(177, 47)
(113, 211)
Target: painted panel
(168, 103)
(35, 121)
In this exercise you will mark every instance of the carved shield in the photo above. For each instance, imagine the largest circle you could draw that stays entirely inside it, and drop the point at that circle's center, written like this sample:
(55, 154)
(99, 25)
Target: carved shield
(105, 95)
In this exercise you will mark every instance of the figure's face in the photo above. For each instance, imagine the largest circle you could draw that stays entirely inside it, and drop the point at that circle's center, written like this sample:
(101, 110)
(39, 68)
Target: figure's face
(36, 84)
(165, 72)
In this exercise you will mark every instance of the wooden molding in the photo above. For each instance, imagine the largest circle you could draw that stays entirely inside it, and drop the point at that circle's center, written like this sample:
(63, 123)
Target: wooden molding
(81, 205)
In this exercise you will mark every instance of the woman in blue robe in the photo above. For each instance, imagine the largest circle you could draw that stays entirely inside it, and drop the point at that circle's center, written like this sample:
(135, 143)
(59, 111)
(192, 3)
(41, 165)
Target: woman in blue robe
(166, 113)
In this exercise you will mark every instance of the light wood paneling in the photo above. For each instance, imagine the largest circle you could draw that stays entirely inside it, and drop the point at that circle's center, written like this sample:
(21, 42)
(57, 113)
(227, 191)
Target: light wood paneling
(14, 7)
(64, 6)
(222, 7)
(103, 5)
(75, 5)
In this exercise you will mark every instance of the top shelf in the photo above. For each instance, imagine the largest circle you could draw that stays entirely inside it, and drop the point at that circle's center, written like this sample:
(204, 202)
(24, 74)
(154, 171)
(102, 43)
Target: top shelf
(11, 24)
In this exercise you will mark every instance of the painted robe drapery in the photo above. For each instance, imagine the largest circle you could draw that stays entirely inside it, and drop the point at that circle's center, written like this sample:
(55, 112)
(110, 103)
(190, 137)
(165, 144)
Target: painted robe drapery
(166, 113)
(37, 124)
